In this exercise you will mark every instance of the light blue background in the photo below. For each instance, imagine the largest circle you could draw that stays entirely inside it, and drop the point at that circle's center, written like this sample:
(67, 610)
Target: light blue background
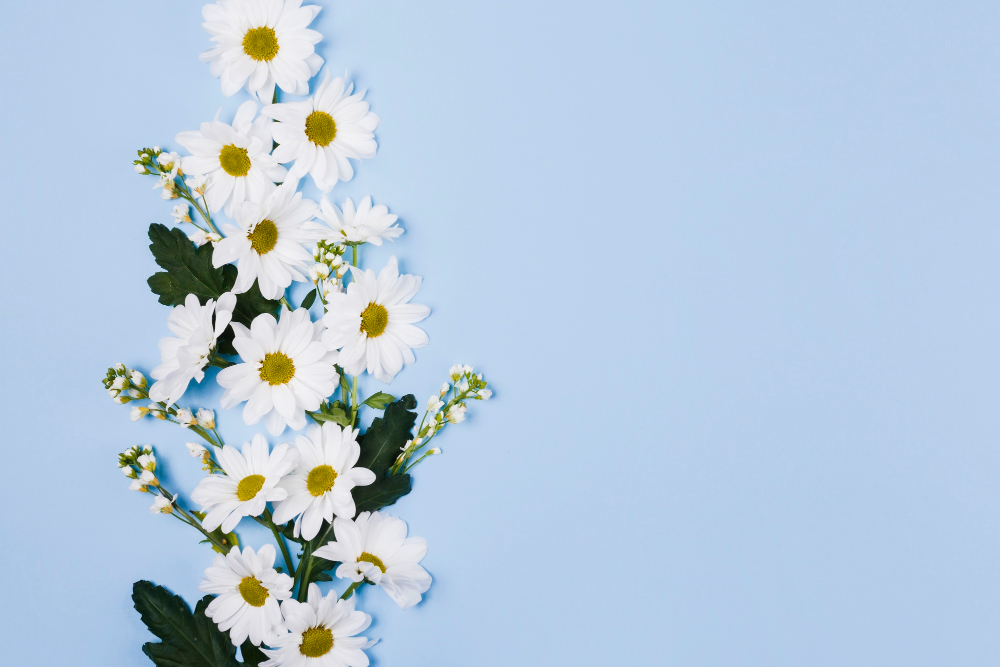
(731, 269)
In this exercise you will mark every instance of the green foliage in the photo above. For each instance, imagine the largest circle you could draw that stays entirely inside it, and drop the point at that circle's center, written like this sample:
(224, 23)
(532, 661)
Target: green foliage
(251, 303)
(252, 656)
(331, 412)
(387, 435)
(188, 270)
(379, 400)
(309, 299)
(229, 539)
(186, 639)
(384, 492)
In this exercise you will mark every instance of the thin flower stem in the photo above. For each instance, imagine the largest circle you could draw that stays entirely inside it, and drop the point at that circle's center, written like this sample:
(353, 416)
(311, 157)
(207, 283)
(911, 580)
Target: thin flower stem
(281, 542)
(287, 305)
(350, 589)
(304, 573)
(190, 520)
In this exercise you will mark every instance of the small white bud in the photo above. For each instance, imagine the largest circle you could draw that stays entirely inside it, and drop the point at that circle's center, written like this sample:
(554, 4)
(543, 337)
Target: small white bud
(147, 462)
(138, 412)
(455, 372)
(130, 472)
(120, 368)
(206, 418)
(484, 394)
(432, 452)
(185, 417)
(161, 506)
(138, 379)
(195, 450)
(456, 414)
(445, 388)
(119, 383)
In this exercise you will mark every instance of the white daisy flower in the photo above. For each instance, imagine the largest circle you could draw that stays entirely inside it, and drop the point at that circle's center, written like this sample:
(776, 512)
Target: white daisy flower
(248, 590)
(260, 43)
(320, 486)
(250, 482)
(285, 371)
(184, 356)
(374, 547)
(267, 244)
(366, 224)
(372, 322)
(321, 133)
(235, 158)
(320, 633)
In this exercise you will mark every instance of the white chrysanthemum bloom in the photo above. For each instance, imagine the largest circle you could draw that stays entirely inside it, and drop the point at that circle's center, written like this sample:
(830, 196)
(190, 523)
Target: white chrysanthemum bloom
(251, 480)
(267, 244)
(286, 370)
(320, 633)
(374, 547)
(235, 158)
(320, 134)
(366, 224)
(372, 322)
(184, 356)
(320, 487)
(248, 590)
(260, 43)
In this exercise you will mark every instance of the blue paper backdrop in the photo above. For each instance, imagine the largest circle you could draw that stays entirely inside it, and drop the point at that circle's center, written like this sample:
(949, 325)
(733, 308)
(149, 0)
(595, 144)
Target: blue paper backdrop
(730, 267)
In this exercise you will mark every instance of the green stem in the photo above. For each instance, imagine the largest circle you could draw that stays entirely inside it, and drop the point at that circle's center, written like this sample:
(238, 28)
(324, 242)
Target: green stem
(287, 305)
(219, 362)
(280, 541)
(350, 589)
(191, 521)
(304, 572)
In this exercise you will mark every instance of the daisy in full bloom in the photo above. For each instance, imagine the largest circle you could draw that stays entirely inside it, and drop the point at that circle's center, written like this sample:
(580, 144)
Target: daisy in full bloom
(366, 224)
(251, 480)
(267, 244)
(372, 322)
(320, 633)
(321, 133)
(236, 159)
(374, 548)
(262, 42)
(321, 485)
(184, 356)
(248, 590)
(286, 370)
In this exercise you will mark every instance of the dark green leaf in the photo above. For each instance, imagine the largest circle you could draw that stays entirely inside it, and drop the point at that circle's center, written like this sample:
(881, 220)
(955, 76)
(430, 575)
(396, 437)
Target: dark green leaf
(186, 640)
(384, 492)
(308, 301)
(387, 435)
(336, 415)
(379, 400)
(318, 572)
(252, 656)
(188, 270)
(251, 303)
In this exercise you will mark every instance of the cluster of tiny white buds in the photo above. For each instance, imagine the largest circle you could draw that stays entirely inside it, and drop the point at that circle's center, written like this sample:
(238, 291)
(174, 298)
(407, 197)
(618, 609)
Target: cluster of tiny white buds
(200, 237)
(124, 385)
(456, 413)
(330, 267)
(161, 506)
(138, 464)
(181, 213)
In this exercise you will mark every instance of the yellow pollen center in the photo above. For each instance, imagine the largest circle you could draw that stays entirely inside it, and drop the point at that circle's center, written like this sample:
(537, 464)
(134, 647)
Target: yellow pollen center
(316, 642)
(373, 559)
(276, 369)
(320, 480)
(252, 592)
(374, 319)
(261, 44)
(234, 160)
(321, 128)
(264, 237)
(249, 487)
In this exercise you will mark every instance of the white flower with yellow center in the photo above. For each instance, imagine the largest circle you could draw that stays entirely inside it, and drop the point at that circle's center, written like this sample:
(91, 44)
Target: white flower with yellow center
(249, 483)
(320, 633)
(184, 356)
(320, 487)
(262, 42)
(374, 548)
(267, 244)
(248, 591)
(323, 132)
(236, 159)
(372, 322)
(286, 370)
(364, 224)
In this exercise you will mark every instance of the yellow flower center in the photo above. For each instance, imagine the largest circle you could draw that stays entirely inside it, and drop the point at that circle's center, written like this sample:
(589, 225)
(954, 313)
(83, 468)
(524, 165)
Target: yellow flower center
(261, 44)
(321, 128)
(320, 480)
(374, 320)
(316, 642)
(252, 592)
(234, 160)
(373, 559)
(276, 369)
(264, 237)
(249, 487)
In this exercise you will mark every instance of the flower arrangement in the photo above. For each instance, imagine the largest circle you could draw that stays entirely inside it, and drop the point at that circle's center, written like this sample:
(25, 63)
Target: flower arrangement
(322, 488)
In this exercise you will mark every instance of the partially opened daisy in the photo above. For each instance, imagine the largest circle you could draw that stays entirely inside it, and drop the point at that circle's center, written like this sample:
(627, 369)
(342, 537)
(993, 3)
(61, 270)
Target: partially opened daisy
(320, 487)
(267, 244)
(248, 591)
(374, 548)
(236, 159)
(320, 633)
(184, 356)
(323, 132)
(372, 322)
(262, 42)
(286, 370)
(249, 483)
(366, 224)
